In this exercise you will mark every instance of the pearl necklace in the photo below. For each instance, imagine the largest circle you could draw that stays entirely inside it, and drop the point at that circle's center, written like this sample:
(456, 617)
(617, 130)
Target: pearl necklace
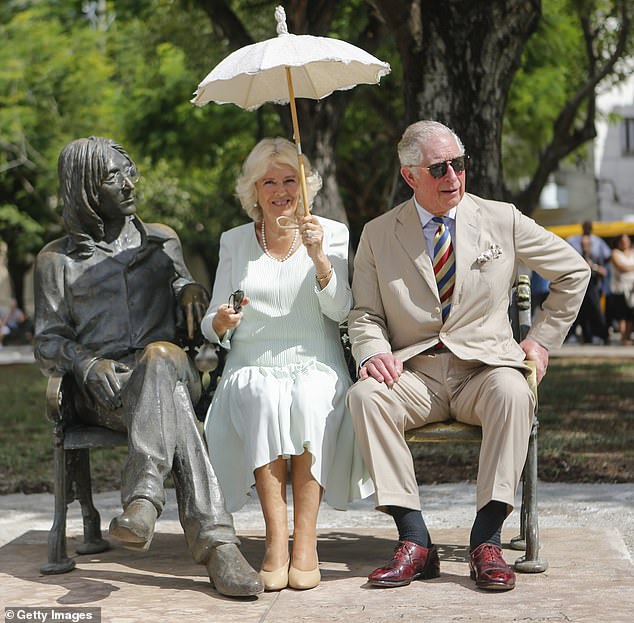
(266, 248)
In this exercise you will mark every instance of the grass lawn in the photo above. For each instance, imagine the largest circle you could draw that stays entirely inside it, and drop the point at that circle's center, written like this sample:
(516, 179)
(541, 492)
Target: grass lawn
(26, 437)
(586, 431)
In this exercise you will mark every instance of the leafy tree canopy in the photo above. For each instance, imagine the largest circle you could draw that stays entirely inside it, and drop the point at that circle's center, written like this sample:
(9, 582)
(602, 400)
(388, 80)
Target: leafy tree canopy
(127, 69)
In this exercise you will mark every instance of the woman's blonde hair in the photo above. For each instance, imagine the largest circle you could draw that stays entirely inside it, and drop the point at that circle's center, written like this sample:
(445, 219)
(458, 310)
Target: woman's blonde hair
(272, 151)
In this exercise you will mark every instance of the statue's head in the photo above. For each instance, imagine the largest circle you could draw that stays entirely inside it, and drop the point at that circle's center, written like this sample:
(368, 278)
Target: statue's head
(84, 168)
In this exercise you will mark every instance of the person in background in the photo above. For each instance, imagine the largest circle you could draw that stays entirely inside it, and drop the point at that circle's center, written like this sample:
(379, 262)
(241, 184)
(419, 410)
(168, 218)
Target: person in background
(15, 326)
(4, 330)
(596, 253)
(431, 335)
(621, 298)
(281, 395)
(539, 291)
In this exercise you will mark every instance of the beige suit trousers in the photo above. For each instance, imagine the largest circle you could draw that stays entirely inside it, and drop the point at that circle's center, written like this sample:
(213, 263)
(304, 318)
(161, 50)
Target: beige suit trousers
(432, 388)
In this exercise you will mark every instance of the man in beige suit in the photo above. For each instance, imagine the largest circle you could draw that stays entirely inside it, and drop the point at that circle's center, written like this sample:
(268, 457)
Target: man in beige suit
(427, 351)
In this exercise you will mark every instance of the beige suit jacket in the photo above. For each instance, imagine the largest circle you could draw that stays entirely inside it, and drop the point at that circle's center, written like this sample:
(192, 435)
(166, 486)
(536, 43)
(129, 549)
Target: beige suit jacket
(396, 302)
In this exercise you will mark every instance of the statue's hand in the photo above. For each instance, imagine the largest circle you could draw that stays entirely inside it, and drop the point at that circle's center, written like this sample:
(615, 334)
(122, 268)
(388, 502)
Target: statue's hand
(194, 300)
(104, 381)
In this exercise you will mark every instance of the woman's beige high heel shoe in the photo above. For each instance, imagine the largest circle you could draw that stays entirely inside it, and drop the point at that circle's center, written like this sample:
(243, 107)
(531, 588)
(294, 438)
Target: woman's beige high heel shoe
(303, 580)
(275, 580)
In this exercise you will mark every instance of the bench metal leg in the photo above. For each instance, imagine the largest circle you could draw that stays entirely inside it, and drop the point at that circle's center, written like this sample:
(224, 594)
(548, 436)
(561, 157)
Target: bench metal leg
(529, 524)
(58, 560)
(79, 466)
(519, 541)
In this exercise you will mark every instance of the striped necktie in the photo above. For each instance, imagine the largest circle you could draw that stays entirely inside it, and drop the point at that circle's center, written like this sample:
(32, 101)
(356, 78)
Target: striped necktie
(444, 265)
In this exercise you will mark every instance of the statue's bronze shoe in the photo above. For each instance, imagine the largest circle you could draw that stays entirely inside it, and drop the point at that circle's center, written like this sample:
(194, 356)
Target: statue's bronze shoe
(135, 526)
(231, 574)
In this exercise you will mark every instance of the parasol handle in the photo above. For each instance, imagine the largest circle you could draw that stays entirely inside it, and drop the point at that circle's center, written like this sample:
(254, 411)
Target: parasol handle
(300, 161)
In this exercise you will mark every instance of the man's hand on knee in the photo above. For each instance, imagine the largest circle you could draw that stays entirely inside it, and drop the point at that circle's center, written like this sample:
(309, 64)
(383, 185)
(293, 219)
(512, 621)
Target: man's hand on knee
(384, 368)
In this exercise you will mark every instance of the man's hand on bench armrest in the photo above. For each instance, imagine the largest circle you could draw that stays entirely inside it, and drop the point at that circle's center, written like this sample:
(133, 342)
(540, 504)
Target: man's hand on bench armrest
(537, 353)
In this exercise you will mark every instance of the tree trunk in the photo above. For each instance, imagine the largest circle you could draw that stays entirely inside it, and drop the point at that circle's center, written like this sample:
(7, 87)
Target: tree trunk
(459, 59)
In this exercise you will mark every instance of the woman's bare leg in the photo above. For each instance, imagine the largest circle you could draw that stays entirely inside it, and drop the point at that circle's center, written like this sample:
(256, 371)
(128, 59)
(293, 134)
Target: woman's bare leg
(270, 483)
(306, 499)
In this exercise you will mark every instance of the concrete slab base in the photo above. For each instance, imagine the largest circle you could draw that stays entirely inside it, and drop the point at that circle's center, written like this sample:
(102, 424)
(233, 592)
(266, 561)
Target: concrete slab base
(590, 579)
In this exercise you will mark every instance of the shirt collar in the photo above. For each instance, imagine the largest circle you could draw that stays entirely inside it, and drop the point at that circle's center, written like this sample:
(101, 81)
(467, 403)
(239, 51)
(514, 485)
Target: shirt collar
(425, 216)
(141, 227)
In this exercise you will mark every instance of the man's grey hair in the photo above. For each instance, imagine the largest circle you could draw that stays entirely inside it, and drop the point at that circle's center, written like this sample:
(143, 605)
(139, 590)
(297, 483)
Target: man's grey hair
(411, 147)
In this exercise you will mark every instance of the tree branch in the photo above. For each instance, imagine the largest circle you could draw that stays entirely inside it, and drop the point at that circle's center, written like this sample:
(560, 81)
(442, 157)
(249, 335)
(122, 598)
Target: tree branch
(225, 22)
(566, 137)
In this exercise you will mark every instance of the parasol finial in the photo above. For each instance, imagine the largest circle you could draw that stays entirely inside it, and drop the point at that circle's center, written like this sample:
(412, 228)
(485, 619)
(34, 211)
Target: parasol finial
(280, 18)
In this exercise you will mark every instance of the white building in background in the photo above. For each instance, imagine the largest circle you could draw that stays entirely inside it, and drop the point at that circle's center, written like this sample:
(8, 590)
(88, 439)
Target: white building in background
(614, 154)
(570, 195)
(600, 186)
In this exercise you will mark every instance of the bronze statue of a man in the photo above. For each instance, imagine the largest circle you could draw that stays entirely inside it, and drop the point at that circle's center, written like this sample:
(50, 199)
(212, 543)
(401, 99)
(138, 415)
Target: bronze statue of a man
(111, 301)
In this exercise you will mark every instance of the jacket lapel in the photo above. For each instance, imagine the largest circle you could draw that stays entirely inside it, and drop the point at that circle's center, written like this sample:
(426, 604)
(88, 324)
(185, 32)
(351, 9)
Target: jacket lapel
(468, 232)
(409, 233)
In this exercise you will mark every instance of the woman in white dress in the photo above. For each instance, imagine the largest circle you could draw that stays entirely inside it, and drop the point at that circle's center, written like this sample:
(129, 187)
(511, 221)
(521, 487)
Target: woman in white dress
(282, 392)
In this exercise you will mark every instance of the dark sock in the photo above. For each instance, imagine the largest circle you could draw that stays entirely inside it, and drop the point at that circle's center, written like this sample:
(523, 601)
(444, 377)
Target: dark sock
(411, 525)
(487, 527)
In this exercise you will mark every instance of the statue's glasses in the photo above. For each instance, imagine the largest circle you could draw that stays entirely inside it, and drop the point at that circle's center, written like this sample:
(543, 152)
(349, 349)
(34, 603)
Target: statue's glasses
(120, 177)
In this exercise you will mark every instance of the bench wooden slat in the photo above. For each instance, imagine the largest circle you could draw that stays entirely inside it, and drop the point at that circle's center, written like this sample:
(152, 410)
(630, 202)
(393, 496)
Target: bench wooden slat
(92, 437)
(449, 430)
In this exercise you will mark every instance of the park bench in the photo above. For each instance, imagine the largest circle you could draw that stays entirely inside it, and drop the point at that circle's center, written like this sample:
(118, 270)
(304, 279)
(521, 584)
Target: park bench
(72, 443)
(74, 440)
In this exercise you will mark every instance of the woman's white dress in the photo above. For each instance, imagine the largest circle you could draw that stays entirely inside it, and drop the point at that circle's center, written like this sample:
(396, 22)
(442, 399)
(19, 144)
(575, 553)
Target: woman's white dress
(285, 379)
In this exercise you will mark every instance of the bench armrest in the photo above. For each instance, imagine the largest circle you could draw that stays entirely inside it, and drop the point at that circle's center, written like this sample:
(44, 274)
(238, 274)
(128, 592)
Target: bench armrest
(54, 398)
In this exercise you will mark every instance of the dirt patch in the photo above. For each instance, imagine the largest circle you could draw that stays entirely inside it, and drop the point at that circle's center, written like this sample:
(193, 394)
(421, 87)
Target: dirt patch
(606, 467)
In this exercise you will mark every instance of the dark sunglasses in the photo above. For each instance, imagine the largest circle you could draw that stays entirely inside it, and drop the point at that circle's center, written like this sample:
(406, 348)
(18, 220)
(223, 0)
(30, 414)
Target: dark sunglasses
(439, 169)
(235, 300)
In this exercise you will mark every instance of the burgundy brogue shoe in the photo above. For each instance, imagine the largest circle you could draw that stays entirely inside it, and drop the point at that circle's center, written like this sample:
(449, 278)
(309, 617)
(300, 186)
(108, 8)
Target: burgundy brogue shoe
(489, 570)
(410, 562)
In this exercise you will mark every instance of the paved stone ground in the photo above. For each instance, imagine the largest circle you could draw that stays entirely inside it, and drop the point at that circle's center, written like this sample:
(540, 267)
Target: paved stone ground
(584, 532)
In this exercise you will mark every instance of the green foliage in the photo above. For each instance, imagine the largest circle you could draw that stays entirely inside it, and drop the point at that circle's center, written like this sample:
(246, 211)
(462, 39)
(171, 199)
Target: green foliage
(55, 85)
(128, 75)
(552, 70)
(130, 72)
(555, 67)
(18, 227)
